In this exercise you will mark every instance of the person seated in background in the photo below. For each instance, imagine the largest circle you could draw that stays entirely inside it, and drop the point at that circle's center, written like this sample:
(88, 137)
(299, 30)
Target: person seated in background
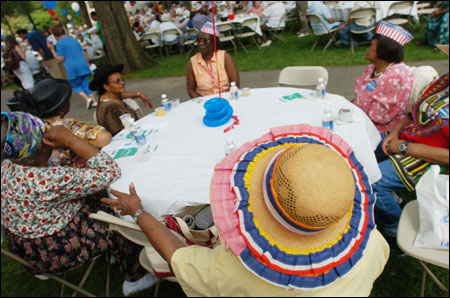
(15, 53)
(200, 17)
(436, 31)
(46, 216)
(49, 100)
(383, 90)
(257, 8)
(419, 140)
(206, 67)
(86, 44)
(319, 8)
(357, 25)
(271, 18)
(284, 235)
(110, 86)
(168, 38)
(138, 28)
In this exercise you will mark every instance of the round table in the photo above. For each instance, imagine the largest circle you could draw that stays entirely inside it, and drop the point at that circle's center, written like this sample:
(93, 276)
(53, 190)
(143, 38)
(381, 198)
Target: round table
(178, 167)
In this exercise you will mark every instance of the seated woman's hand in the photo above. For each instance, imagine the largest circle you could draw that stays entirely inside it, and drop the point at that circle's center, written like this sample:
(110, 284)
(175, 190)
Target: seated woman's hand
(57, 136)
(78, 162)
(146, 100)
(390, 138)
(125, 204)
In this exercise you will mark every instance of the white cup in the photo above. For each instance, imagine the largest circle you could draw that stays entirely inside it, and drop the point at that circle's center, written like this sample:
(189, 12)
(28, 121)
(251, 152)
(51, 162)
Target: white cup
(125, 118)
(345, 115)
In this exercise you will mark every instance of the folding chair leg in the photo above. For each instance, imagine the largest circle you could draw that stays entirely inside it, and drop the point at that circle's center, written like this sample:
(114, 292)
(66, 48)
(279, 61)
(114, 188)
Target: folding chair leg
(155, 294)
(242, 45)
(256, 43)
(85, 276)
(234, 46)
(351, 44)
(433, 277)
(315, 43)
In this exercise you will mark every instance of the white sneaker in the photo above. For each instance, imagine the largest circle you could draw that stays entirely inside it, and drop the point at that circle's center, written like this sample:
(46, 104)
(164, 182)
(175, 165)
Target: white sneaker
(89, 103)
(94, 104)
(266, 44)
(145, 282)
(302, 35)
(41, 276)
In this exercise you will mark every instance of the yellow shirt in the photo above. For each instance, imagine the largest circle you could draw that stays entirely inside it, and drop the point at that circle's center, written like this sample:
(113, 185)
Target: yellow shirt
(218, 272)
(205, 73)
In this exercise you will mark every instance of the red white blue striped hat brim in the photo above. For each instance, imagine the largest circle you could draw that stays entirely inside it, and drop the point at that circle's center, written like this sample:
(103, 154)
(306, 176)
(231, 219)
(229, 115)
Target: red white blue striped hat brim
(209, 29)
(234, 217)
(394, 32)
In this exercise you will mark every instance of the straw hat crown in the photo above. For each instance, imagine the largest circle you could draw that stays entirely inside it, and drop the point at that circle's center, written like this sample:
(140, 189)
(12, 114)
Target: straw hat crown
(314, 185)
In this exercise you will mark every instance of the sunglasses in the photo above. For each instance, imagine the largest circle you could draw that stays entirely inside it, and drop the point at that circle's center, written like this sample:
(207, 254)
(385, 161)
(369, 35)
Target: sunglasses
(118, 81)
(203, 40)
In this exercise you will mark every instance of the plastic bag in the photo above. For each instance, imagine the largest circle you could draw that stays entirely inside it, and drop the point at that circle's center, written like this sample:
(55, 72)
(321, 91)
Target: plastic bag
(432, 196)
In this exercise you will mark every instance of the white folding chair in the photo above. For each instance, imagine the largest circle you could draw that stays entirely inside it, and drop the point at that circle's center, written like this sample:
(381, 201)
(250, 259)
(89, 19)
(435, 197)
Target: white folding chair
(153, 36)
(227, 34)
(251, 24)
(134, 105)
(408, 228)
(192, 39)
(399, 8)
(424, 76)
(302, 76)
(276, 31)
(331, 34)
(362, 13)
(168, 44)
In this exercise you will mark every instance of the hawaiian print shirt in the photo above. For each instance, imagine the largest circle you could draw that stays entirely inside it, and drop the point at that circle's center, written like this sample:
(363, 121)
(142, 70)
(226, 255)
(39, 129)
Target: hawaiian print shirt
(385, 98)
(40, 201)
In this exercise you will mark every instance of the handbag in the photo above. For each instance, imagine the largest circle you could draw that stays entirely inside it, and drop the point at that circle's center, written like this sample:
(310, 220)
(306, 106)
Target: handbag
(432, 196)
(193, 225)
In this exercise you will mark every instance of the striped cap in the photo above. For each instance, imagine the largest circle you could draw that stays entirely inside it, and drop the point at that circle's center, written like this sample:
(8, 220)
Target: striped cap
(394, 32)
(208, 29)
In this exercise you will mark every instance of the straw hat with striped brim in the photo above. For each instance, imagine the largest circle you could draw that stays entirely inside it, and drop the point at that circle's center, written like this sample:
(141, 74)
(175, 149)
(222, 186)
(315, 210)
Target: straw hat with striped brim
(295, 206)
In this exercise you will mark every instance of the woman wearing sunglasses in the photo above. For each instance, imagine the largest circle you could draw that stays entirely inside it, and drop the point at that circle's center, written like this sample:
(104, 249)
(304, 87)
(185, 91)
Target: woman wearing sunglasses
(110, 85)
(207, 68)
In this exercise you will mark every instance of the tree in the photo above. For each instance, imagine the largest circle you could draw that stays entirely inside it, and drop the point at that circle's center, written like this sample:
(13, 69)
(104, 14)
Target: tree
(7, 11)
(120, 41)
(85, 13)
(26, 8)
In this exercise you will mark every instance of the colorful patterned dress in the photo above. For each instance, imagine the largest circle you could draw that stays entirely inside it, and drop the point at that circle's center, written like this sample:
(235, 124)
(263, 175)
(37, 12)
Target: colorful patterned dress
(385, 98)
(45, 211)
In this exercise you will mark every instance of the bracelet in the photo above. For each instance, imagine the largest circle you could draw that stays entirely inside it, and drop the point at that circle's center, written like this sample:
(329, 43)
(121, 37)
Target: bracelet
(136, 215)
(139, 94)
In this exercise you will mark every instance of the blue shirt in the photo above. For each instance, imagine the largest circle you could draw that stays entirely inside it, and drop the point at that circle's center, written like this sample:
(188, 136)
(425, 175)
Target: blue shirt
(317, 7)
(74, 61)
(38, 41)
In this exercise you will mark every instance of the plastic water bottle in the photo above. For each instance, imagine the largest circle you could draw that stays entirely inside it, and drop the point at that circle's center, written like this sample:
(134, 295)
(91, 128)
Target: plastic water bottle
(321, 89)
(165, 102)
(234, 91)
(328, 119)
(132, 128)
(139, 135)
(229, 146)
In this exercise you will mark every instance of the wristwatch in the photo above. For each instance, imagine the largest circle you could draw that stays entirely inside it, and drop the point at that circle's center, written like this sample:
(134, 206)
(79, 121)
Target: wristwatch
(136, 215)
(403, 147)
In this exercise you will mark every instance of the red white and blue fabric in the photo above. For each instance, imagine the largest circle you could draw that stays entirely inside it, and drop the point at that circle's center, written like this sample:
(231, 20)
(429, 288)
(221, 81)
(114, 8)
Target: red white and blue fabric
(233, 215)
(208, 28)
(394, 32)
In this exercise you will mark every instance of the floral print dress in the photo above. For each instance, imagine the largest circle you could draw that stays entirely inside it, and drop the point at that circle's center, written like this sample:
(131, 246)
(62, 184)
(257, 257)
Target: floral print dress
(45, 211)
(385, 98)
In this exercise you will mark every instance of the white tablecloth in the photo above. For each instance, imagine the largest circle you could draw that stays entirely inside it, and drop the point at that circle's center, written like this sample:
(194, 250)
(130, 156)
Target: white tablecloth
(342, 10)
(241, 19)
(178, 173)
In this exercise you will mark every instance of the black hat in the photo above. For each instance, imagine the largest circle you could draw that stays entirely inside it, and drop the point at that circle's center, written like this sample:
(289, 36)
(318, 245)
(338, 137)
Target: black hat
(44, 99)
(102, 73)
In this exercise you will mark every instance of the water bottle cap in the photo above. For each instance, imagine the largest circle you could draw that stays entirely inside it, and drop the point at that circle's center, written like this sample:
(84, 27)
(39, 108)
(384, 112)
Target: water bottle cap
(163, 96)
(320, 80)
(233, 84)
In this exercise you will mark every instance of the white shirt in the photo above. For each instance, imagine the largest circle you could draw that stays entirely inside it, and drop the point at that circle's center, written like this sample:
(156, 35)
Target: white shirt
(165, 26)
(274, 13)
